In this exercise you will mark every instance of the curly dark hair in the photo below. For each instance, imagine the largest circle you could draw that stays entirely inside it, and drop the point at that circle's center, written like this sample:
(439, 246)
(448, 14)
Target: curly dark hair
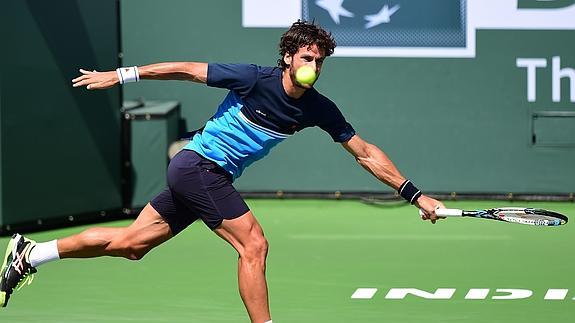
(303, 33)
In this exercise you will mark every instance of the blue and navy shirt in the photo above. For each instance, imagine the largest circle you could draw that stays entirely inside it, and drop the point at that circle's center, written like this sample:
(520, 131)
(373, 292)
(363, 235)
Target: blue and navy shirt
(257, 114)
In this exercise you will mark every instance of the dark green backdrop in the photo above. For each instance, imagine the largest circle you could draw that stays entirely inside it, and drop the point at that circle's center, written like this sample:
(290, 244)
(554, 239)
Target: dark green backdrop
(449, 124)
(60, 146)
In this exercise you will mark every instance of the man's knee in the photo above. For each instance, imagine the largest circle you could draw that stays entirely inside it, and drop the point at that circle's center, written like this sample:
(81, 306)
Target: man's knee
(256, 250)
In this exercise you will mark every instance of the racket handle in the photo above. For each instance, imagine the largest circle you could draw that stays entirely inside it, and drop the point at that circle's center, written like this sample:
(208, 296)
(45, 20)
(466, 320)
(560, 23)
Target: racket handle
(446, 212)
(449, 212)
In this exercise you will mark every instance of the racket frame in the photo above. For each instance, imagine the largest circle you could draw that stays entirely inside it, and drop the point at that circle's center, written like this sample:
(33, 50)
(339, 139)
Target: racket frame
(506, 214)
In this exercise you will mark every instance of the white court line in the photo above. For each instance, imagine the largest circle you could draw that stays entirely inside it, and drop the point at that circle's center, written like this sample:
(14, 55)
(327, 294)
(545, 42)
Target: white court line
(320, 236)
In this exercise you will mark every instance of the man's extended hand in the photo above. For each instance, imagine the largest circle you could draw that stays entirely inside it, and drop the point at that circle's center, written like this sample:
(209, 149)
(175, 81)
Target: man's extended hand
(428, 206)
(96, 80)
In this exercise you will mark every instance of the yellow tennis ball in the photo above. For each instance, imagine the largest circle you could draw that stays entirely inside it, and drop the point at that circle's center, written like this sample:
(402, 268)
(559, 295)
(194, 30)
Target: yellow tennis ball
(305, 75)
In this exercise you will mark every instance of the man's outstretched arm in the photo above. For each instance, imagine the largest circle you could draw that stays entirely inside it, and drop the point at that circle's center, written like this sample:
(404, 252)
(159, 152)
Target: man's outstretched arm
(184, 71)
(375, 161)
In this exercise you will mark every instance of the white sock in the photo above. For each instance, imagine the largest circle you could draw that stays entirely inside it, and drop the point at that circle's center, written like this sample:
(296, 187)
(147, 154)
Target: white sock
(43, 253)
(270, 321)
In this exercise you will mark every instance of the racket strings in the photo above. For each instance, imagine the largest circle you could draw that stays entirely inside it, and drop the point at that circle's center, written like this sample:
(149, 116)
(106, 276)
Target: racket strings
(534, 217)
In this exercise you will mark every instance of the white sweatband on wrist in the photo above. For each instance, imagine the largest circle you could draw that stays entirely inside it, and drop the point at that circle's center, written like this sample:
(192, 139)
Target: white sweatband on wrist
(128, 74)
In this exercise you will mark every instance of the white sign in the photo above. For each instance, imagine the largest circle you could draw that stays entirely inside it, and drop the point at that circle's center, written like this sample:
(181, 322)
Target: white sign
(388, 16)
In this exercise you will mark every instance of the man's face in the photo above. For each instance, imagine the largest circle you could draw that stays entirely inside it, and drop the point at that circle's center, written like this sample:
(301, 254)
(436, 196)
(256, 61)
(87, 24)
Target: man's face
(311, 56)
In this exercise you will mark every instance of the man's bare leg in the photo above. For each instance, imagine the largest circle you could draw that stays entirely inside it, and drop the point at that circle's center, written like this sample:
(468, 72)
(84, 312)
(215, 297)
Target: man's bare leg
(247, 237)
(133, 242)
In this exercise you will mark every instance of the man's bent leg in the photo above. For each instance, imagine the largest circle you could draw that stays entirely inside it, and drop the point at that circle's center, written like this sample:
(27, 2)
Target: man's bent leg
(246, 236)
(133, 242)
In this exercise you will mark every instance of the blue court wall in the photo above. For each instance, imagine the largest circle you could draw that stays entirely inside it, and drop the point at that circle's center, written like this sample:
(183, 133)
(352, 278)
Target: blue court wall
(467, 123)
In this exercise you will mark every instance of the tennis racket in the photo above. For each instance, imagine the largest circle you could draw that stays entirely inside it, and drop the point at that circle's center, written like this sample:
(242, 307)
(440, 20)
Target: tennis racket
(529, 216)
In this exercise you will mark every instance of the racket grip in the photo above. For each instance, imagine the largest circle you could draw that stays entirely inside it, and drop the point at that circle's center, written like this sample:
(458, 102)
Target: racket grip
(449, 212)
(445, 212)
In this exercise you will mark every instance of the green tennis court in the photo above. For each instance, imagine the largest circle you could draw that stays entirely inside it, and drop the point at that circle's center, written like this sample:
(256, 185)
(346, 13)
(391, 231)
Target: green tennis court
(321, 252)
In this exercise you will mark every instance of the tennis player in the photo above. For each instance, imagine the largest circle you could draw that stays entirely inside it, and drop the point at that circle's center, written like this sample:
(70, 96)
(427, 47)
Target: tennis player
(264, 106)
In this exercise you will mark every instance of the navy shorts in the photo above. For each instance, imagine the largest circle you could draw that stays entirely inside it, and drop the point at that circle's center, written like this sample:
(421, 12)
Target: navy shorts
(197, 188)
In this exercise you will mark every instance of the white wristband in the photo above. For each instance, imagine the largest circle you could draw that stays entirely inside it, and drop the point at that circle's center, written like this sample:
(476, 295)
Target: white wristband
(128, 74)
